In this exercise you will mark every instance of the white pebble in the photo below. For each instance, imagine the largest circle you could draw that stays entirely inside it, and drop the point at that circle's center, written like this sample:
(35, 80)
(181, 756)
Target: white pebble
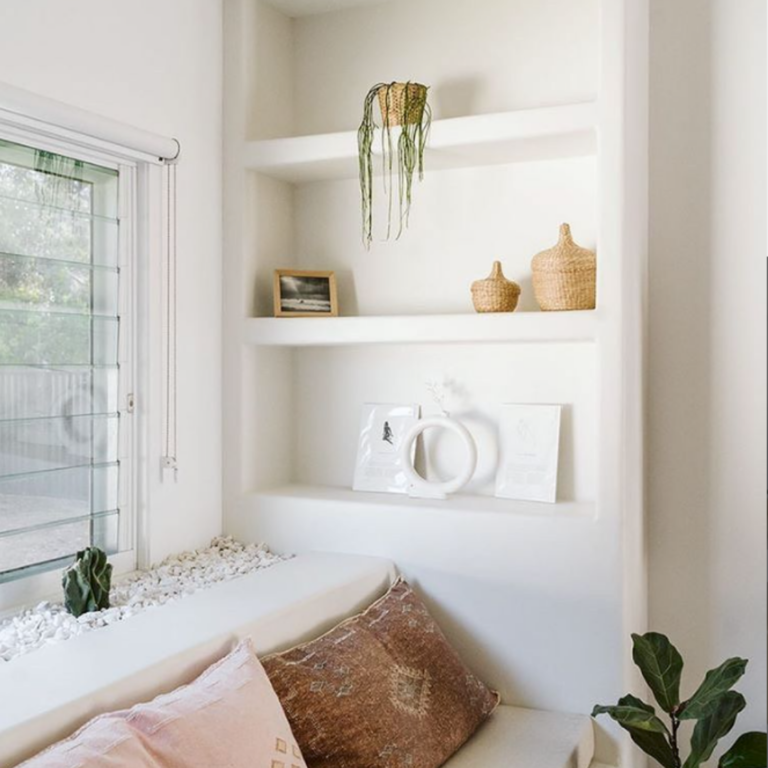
(176, 577)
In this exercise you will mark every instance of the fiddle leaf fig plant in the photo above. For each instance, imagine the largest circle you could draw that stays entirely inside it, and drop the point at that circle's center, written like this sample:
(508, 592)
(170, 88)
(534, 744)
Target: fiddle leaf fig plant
(714, 707)
(87, 582)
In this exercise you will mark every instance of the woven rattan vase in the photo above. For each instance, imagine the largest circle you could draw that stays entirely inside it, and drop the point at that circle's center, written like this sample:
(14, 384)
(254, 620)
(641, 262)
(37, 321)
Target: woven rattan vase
(402, 103)
(495, 293)
(564, 276)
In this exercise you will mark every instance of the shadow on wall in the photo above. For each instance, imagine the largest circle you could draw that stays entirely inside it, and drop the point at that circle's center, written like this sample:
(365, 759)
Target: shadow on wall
(679, 435)
(455, 97)
(542, 650)
(706, 513)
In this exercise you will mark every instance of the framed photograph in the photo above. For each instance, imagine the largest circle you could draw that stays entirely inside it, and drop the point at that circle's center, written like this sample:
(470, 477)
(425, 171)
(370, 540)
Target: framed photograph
(382, 429)
(529, 437)
(303, 293)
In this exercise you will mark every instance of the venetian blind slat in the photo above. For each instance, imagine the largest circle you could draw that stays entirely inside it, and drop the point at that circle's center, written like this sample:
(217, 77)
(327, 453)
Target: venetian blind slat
(60, 402)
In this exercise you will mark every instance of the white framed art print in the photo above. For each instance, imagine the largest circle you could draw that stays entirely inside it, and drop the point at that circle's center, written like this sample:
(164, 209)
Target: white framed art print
(529, 437)
(379, 466)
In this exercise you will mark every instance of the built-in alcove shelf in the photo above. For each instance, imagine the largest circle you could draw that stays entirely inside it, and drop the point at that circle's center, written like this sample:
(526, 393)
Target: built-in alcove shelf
(460, 142)
(303, 499)
(516, 327)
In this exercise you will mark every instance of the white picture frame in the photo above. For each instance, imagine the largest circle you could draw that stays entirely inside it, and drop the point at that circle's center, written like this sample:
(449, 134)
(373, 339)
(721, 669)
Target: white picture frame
(379, 465)
(529, 448)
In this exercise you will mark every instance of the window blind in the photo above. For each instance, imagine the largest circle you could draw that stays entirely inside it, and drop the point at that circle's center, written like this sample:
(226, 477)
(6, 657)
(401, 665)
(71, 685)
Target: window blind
(60, 335)
(48, 117)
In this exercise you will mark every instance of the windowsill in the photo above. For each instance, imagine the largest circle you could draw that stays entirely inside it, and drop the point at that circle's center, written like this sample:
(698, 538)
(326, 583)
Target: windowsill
(176, 578)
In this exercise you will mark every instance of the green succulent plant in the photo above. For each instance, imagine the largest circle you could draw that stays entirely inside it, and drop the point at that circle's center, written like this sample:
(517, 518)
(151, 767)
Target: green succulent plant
(714, 707)
(86, 582)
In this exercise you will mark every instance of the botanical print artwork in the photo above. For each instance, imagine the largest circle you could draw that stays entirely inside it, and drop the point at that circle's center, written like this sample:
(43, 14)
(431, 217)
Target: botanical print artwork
(530, 441)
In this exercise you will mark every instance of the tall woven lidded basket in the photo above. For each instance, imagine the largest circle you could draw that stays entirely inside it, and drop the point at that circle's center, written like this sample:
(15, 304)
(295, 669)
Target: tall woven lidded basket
(402, 103)
(564, 277)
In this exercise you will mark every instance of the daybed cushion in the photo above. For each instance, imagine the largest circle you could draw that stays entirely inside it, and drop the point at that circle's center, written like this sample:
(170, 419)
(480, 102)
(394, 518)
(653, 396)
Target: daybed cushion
(381, 689)
(48, 694)
(513, 737)
(229, 716)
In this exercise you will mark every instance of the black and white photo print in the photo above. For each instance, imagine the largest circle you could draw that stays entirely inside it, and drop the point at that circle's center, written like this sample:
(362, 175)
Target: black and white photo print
(300, 293)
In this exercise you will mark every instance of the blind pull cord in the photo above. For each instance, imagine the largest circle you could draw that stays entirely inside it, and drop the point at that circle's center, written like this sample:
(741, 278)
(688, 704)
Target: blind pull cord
(169, 460)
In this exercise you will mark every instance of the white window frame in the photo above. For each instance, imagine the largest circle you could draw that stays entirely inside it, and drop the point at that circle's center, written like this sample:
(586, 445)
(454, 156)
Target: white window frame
(136, 182)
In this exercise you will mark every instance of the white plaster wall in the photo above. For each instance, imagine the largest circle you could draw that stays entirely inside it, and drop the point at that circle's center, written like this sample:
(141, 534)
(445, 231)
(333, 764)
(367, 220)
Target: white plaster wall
(333, 384)
(156, 65)
(534, 602)
(507, 588)
(478, 55)
(707, 441)
(461, 221)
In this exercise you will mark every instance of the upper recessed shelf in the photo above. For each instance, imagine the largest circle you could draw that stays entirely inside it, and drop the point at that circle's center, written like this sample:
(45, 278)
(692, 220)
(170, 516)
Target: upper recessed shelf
(460, 142)
(515, 327)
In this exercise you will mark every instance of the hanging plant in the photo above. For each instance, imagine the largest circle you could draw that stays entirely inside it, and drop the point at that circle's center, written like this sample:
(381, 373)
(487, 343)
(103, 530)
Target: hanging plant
(403, 106)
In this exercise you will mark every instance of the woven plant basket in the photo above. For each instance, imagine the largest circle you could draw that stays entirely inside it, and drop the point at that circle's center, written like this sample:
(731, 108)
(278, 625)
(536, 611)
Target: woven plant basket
(393, 98)
(495, 293)
(564, 276)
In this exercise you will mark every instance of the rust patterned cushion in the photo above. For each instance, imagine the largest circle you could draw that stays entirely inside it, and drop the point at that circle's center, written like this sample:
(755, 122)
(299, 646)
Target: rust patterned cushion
(381, 690)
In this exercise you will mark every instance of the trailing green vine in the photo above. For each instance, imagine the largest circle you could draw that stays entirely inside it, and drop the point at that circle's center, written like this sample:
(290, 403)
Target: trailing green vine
(413, 122)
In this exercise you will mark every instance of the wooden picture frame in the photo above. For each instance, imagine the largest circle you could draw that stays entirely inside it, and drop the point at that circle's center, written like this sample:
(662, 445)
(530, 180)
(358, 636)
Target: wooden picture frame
(303, 293)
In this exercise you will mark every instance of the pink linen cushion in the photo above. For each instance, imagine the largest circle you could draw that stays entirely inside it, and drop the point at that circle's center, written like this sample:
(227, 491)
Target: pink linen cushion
(229, 717)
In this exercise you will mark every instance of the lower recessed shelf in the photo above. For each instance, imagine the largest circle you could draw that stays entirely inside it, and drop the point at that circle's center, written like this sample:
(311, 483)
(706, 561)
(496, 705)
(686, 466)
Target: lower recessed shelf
(304, 496)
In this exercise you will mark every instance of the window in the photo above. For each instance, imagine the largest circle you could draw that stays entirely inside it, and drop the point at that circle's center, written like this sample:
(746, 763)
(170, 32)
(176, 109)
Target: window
(65, 358)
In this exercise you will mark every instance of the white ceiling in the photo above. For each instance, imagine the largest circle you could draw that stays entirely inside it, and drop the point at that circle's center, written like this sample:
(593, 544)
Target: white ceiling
(309, 7)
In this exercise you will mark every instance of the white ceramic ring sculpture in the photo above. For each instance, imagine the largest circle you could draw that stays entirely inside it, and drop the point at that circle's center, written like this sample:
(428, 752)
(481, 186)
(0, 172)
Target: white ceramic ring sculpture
(420, 488)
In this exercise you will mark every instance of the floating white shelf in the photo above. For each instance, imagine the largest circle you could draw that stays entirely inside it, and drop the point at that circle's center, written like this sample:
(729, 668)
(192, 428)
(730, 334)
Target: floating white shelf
(303, 498)
(460, 142)
(517, 327)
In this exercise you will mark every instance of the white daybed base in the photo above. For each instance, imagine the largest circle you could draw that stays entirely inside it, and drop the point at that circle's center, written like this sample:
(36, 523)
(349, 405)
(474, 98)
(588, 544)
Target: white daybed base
(49, 693)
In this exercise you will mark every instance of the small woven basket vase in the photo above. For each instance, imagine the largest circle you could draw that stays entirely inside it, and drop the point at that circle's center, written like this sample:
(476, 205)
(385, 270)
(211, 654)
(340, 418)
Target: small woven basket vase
(564, 276)
(402, 103)
(495, 293)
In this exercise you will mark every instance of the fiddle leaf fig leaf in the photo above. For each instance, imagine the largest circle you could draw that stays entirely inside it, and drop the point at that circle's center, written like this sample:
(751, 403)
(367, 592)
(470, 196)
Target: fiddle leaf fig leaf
(716, 682)
(661, 666)
(632, 701)
(632, 716)
(712, 728)
(748, 751)
(652, 743)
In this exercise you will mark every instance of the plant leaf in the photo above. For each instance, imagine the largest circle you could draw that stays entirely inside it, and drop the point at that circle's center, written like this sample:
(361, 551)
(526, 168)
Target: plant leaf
(631, 716)
(716, 682)
(712, 728)
(748, 751)
(653, 744)
(632, 701)
(661, 665)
